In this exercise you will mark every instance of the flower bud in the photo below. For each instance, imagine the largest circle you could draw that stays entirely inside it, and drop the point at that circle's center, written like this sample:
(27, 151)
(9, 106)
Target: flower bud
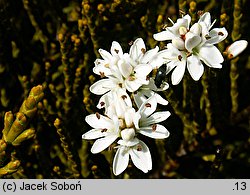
(236, 48)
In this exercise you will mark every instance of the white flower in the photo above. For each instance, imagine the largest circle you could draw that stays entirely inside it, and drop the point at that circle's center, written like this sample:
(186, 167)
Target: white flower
(176, 60)
(174, 32)
(146, 91)
(115, 98)
(146, 121)
(124, 70)
(106, 131)
(103, 66)
(134, 148)
(193, 46)
(236, 48)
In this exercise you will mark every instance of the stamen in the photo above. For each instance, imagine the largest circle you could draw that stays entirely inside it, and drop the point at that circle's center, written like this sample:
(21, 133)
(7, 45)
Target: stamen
(143, 50)
(230, 56)
(207, 37)
(98, 116)
(139, 148)
(154, 127)
(116, 50)
(148, 105)
(102, 74)
(102, 104)
(131, 78)
(164, 26)
(183, 37)
(179, 57)
(221, 33)
(171, 21)
(124, 97)
(106, 65)
(104, 130)
(120, 85)
(200, 13)
(182, 12)
(189, 54)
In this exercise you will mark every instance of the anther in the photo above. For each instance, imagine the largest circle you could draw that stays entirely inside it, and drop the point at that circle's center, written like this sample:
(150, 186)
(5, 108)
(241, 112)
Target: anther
(154, 127)
(98, 116)
(102, 104)
(148, 105)
(102, 74)
(104, 130)
(116, 50)
(220, 33)
(123, 97)
(143, 50)
(139, 148)
(179, 57)
(207, 37)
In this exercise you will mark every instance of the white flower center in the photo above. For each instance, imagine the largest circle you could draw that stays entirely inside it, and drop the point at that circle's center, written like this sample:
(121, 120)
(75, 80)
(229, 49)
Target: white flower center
(182, 30)
(128, 134)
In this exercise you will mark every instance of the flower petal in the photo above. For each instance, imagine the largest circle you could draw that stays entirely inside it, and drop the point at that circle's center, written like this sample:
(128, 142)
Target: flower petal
(125, 68)
(149, 55)
(155, 118)
(206, 18)
(128, 116)
(102, 86)
(142, 70)
(217, 35)
(105, 55)
(102, 143)
(120, 161)
(160, 58)
(148, 107)
(98, 121)
(210, 55)
(195, 67)
(94, 134)
(236, 48)
(155, 131)
(139, 98)
(192, 41)
(133, 85)
(101, 68)
(105, 101)
(116, 49)
(141, 157)
(178, 72)
(196, 29)
(159, 99)
(164, 35)
(137, 49)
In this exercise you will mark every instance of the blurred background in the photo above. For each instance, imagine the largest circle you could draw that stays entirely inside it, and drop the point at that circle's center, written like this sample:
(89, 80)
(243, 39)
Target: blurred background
(55, 43)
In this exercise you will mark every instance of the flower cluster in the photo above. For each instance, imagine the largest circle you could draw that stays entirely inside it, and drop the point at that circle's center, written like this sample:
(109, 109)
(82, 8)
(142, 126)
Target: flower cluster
(126, 82)
(190, 46)
(127, 76)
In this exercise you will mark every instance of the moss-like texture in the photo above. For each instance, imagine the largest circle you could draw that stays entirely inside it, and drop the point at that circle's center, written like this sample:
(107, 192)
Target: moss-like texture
(47, 52)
